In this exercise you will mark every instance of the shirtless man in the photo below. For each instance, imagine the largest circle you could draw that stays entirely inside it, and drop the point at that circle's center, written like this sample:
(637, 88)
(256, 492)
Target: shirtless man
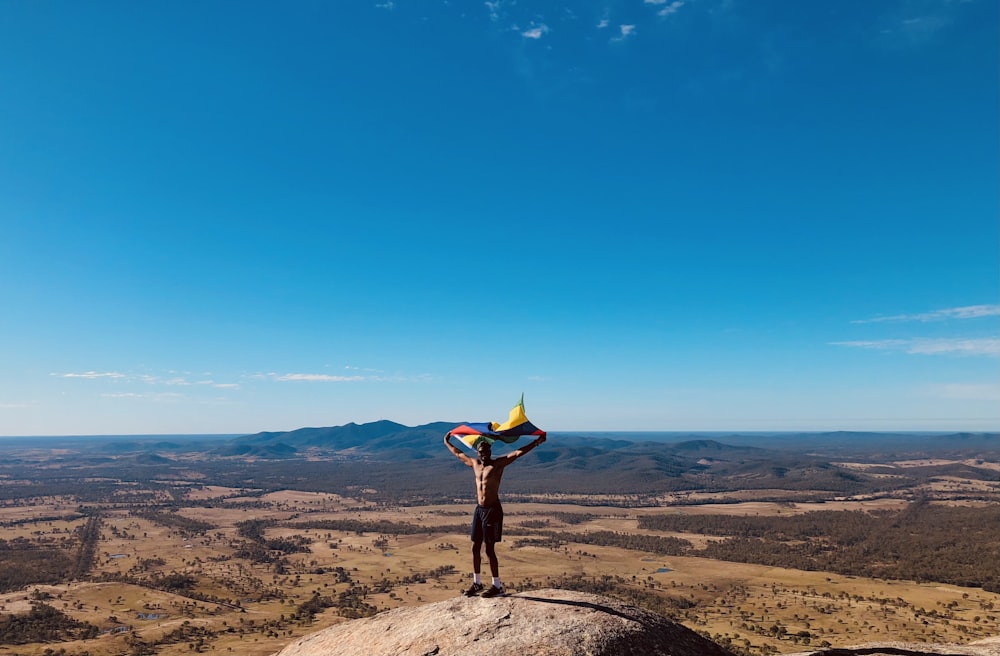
(487, 522)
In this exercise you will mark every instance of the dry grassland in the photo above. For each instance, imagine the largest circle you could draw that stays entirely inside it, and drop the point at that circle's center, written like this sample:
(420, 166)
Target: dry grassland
(952, 486)
(42, 508)
(763, 609)
(202, 493)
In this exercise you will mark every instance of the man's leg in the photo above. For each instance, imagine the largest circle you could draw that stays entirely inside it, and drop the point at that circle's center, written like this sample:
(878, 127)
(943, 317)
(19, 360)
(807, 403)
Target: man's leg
(477, 564)
(496, 589)
(477, 556)
(491, 554)
(493, 534)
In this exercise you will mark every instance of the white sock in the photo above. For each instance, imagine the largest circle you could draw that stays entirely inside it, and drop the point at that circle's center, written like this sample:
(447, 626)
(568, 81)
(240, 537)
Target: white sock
(478, 580)
(497, 584)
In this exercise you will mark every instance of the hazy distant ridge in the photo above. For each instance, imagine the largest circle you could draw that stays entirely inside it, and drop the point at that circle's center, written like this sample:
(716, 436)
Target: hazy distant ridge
(650, 463)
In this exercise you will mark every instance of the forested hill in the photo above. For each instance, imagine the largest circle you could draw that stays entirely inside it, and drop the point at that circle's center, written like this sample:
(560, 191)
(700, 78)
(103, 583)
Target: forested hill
(386, 437)
(390, 440)
(411, 462)
(808, 464)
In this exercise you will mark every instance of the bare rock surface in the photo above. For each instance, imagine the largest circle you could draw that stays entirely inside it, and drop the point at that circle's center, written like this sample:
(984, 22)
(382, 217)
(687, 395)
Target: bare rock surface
(988, 647)
(537, 623)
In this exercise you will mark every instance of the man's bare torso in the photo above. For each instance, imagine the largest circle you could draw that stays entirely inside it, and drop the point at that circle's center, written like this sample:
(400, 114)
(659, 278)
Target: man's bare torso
(488, 482)
(489, 470)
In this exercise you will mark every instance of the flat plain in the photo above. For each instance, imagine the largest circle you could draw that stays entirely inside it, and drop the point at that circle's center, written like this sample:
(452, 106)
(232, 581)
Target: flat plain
(161, 554)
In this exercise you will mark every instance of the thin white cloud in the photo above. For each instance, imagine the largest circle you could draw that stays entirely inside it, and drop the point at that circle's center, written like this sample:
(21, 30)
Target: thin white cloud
(536, 32)
(604, 23)
(328, 378)
(93, 375)
(624, 32)
(924, 346)
(323, 378)
(918, 24)
(352, 374)
(494, 8)
(388, 4)
(161, 397)
(672, 8)
(967, 391)
(965, 312)
(369, 369)
(147, 379)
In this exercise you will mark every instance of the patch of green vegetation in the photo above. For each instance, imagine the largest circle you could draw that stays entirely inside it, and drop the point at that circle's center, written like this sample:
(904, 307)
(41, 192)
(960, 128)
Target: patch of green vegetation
(360, 526)
(186, 526)
(43, 623)
(924, 542)
(24, 563)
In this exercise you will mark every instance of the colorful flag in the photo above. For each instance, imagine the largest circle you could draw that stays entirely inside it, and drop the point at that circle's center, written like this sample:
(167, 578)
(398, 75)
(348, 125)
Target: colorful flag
(516, 426)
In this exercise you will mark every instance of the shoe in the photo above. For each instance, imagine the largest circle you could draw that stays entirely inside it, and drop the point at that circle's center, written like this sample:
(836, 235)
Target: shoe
(494, 591)
(473, 590)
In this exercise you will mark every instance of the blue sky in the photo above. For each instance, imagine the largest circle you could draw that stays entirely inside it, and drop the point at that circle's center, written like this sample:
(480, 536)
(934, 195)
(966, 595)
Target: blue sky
(229, 217)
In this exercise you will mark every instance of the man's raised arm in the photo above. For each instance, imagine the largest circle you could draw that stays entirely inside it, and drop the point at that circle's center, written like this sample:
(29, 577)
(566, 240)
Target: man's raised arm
(514, 455)
(458, 452)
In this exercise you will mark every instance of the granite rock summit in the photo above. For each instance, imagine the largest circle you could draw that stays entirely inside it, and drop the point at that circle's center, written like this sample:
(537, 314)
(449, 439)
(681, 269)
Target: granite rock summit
(537, 623)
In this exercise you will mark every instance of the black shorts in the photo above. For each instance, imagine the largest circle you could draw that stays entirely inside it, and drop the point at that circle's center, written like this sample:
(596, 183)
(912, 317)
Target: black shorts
(487, 524)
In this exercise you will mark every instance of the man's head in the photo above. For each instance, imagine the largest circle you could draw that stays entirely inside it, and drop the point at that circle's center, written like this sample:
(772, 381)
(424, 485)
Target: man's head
(485, 451)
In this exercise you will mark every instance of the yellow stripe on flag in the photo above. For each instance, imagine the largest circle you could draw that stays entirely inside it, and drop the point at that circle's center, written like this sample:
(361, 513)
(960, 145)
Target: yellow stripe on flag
(516, 418)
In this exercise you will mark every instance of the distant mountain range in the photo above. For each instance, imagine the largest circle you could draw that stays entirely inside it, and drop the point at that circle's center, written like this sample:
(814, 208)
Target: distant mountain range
(387, 439)
(392, 441)
(411, 462)
(649, 462)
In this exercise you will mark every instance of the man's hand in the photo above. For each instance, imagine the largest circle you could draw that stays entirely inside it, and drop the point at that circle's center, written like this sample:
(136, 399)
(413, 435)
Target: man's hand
(458, 452)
